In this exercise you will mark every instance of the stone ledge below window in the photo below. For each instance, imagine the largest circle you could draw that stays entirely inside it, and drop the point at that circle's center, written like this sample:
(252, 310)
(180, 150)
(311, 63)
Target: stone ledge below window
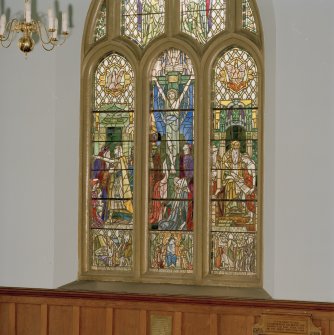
(191, 291)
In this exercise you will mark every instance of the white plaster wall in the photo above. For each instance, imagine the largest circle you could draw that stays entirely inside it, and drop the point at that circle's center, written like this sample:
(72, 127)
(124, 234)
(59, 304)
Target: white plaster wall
(304, 161)
(39, 137)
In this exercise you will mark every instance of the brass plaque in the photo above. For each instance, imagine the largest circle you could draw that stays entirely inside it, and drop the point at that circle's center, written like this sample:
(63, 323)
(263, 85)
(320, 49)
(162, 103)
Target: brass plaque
(289, 324)
(161, 325)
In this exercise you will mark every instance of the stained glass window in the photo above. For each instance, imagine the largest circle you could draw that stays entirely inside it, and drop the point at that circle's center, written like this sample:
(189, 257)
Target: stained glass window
(203, 19)
(112, 162)
(234, 165)
(171, 167)
(172, 222)
(101, 23)
(248, 19)
(143, 20)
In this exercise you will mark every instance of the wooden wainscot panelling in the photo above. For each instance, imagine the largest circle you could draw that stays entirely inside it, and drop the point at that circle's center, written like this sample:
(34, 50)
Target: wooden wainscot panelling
(28, 319)
(7, 319)
(54, 312)
(292, 324)
(127, 322)
(331, 328)
(60, 320)
(195, 323)
(92, 320)
(236, 324)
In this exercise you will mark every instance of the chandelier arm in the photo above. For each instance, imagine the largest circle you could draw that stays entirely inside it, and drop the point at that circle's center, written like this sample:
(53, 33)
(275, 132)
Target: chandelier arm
(48, 49)
(11, 32)
(64, 39)
(39, 24)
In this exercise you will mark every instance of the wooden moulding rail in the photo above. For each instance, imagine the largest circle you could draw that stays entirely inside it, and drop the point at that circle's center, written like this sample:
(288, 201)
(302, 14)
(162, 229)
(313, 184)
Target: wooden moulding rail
(208, 301)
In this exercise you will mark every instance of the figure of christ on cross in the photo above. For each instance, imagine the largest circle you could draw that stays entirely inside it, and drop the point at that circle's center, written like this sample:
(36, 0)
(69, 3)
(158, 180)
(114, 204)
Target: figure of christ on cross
(173, 119)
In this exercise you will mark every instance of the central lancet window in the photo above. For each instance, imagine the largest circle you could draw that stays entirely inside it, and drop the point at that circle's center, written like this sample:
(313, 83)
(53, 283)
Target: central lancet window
(172, 113)
(171, 171)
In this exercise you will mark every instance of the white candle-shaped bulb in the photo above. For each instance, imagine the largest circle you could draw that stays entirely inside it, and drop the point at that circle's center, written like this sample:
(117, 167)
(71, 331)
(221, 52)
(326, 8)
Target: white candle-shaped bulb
(50, 18)
(65, 22)
(28, 11)
(55, 33)
(2, 24)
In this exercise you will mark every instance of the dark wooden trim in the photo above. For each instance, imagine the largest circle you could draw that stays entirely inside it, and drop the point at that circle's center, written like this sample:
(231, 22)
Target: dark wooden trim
(226, 302)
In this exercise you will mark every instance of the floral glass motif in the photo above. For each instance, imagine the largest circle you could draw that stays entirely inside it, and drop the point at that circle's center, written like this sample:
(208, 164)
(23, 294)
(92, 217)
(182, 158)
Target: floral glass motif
(171, 167)
(234, 164)
(101, 23)
(143, 20)
(248, 19)
(203, 19)
(112, 174)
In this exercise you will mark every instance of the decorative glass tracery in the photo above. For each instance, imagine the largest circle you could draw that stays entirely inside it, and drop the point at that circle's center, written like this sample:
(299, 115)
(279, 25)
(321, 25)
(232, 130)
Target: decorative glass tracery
(112, 161)
(234, 164)
(143, 20)
(171, 166)
(101, 23)
(248, 19)
(203, 19)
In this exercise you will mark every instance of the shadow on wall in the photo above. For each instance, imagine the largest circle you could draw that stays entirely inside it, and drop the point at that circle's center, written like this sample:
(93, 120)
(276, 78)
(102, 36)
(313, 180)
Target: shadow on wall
(268, 18)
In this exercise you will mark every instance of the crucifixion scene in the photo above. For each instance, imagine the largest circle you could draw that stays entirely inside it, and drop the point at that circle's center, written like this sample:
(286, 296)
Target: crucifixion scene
(171, 178)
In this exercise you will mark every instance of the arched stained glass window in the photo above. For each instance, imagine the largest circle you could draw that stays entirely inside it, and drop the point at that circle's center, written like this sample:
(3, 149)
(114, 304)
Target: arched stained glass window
(203, 19)
(171, 162)
(248, 19)
(234, 164)
(101, 23)
(143, 20)
(112, 161)
(172, 146)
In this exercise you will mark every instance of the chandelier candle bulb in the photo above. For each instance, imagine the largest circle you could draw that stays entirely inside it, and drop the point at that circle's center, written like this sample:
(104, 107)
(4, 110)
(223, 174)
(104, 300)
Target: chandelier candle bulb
(2, 24)
(55, 33)
(50, 18)
(28, 11)
(64, 22)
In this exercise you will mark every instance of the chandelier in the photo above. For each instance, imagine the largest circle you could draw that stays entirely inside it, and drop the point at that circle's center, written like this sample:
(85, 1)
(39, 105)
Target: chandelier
(28, 28)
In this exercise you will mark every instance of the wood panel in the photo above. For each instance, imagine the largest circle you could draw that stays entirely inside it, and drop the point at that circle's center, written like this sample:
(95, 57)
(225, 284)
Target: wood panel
(6, 319)
(236, 324)
(28, 319)
(195, 323)
(331, 327)
(60, 320)
(92, 320)
(127, 322)
(323, 325)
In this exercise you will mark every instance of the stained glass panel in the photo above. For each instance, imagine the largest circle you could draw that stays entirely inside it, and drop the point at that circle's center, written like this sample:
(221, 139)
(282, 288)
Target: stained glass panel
(234, 164)
(233, 253)
(114, 84)
(143, 20)
(248, 19)
(112, 162)
(112, 249)
(101, 23)
(171, 252)
(203, 19)
(171, 173)
(236, 78)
